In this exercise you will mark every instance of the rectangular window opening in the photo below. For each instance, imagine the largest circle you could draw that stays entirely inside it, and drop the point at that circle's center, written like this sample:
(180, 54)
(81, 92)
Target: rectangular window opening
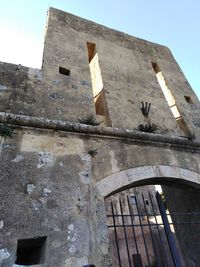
(31, 251)
(137, 260)
(170, 99)
(101, 107)
(132, 199)
(64, 71)
(188, 99)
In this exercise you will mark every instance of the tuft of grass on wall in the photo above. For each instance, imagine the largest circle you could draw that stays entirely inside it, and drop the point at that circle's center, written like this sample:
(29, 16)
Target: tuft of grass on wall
(93, 152)
(147, 127)
(5, 130)
(191, 136)
(89, 120)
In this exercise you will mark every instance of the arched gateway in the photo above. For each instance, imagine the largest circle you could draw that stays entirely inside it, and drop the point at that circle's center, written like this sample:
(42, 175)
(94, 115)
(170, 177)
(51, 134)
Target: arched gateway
(144, 230)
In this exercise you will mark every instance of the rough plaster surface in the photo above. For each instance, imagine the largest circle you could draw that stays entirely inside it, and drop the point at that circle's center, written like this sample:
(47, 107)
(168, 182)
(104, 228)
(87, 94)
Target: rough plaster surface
(4, 255)
(37, 143)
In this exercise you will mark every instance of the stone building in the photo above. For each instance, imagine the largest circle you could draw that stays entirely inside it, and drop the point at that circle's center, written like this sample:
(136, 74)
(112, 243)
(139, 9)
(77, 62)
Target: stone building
(59, 166)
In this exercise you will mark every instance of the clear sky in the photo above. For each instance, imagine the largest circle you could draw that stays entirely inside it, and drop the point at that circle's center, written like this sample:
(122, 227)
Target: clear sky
(174, 23)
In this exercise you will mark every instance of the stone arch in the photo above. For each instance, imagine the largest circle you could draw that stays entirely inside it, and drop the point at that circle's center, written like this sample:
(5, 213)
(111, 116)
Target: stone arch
(155, 174)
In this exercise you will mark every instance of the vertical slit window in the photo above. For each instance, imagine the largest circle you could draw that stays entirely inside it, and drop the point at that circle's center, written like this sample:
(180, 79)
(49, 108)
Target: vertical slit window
(97, 84)
(170, 100)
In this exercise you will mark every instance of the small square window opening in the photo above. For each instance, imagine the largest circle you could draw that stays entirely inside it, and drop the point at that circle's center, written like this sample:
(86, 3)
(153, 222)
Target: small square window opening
(188, 99)
(64, 71)
(31, 251)
(132, 199)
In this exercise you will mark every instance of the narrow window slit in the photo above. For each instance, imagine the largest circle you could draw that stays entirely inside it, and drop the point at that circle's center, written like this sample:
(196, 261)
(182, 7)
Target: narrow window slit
(170, 100)
(97, 85)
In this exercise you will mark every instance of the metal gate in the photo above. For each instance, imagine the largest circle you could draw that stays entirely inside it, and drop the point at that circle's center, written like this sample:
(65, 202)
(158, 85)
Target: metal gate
(142, 233)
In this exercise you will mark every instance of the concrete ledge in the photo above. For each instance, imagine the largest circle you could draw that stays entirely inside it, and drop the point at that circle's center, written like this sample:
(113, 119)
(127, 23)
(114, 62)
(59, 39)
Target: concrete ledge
(44, 123)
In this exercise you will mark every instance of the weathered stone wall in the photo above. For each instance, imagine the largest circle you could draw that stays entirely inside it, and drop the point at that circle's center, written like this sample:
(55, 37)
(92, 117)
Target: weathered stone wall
(50, 168)
(126, 69)
(46, 190)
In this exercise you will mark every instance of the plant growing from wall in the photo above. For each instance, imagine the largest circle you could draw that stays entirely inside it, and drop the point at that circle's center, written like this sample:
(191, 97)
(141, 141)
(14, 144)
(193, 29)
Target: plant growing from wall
(89, 120)
(191, 136)
(146, 125)
(5, 130)
(93, 152)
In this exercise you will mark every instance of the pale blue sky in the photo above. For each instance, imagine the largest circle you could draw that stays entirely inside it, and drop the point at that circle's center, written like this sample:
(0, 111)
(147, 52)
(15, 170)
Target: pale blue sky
(174, 23)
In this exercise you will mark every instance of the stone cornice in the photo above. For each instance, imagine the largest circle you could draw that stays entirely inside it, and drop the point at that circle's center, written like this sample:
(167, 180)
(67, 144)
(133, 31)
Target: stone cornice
(74, 127)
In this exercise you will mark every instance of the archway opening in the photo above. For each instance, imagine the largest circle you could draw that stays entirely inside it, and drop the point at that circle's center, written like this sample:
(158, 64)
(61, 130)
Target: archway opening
(137, 229)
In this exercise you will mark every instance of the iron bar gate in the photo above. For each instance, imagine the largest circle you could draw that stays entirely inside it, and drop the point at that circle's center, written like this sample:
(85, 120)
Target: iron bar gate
(142, 233)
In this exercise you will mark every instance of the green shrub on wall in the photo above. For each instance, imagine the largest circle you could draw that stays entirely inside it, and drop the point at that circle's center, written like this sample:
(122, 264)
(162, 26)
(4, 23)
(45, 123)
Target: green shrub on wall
(5, 130)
